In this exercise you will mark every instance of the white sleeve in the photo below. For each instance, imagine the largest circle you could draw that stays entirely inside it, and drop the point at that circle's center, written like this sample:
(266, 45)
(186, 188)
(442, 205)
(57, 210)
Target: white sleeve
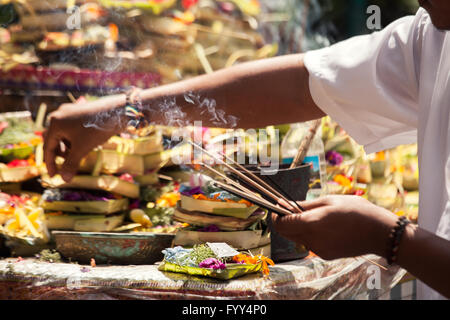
(369, 84)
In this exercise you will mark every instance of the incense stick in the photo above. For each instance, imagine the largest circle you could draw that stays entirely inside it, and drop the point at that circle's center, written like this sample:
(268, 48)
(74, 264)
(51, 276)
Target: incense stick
(265, 184)
(372, 262)
(306, 143)
(238, 185)
(279, 200)
(285, 194)
(252, 198)
(250, 195)
(231, 181)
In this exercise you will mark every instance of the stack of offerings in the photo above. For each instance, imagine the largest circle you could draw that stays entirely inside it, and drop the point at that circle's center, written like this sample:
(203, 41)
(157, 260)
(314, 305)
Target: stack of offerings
(174, 38)
(98, 198)
(21, 160)
(140, 154)
(200, 36)
(59, 29)
(20, 149)
(215, 215)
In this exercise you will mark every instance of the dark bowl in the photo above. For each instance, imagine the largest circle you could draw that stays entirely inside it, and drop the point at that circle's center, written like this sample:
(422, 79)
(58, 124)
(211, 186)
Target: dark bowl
(112, 248)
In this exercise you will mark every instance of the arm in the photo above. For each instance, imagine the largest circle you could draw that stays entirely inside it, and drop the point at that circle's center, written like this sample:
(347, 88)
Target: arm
(257, 94)
(348, 226)
(427, 257)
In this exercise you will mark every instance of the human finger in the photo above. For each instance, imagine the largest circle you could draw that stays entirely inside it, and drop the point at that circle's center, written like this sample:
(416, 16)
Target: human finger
(70, 165)
(51, 146)
(289, 224)
(316, 203)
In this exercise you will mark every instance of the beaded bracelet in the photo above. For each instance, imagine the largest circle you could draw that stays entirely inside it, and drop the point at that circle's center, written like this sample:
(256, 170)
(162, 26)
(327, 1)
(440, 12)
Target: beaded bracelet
(394, 239)
(133, 108)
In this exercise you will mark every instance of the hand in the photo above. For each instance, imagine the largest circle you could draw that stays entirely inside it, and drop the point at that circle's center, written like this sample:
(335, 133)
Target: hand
(74, 130)
(339, 226)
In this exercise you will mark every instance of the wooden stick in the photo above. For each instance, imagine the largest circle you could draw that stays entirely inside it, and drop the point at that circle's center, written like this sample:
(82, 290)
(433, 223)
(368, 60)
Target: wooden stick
(164, 177)
(252, 198)
(39, 123)
(306, 143)
(247, 179)
(225, 33)
(202, 57)
(238, 185)
(71, 97)
(285, 194)
(371, 261)
(227, 179)
(265, 184)
(278, 200)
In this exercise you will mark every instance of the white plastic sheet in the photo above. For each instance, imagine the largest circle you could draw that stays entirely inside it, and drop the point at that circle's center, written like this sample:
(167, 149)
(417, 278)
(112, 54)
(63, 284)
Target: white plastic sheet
(311, 278)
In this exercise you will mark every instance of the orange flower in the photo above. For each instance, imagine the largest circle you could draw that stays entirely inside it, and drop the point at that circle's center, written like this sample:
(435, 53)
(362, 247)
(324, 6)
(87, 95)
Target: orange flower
(169, 199)
(265, 261)
(380, 156)
(343, 180)
(216, 198)
(200, 197)
(8, 210)
(35, 141)
(244, 258)
(113, 32)
(247, 203)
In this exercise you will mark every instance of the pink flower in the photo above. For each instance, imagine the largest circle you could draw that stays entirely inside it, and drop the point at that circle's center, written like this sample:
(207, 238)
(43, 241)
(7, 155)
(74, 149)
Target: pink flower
(212, 263)
(127, 177)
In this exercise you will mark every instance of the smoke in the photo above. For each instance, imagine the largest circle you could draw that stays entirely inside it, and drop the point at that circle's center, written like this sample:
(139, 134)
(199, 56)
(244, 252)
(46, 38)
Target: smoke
(173, 114)
(105, 120)
(209, 106)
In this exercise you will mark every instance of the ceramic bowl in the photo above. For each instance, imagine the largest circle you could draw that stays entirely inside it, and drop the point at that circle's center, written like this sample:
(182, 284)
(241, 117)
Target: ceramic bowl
(112, 248)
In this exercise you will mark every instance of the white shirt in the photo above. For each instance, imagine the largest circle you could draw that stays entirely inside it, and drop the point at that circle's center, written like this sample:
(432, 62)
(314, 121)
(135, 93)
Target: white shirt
(393, 87)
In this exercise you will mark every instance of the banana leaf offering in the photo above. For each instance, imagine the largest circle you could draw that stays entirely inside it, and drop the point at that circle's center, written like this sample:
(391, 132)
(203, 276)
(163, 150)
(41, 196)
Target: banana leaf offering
(214, 215)
(216, 202)
(83, 201)
(213, 260)
(230, 272)
(110, 183)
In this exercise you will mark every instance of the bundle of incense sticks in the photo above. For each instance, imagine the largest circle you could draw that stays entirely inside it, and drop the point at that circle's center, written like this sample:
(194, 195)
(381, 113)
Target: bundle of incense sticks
(282, 204)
